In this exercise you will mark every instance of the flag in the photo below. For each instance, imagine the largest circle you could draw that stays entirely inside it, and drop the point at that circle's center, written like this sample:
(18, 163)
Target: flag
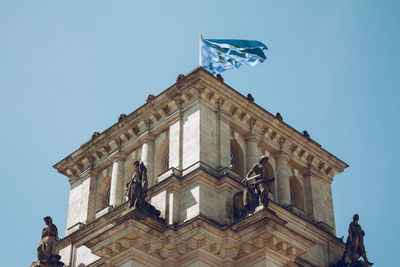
(220, 55)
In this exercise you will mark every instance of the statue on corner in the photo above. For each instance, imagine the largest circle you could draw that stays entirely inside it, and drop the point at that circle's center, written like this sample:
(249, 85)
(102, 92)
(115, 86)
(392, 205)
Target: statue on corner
(136, 191)
(46, 251)
(354, 247)
(256, 190)
(137, 186)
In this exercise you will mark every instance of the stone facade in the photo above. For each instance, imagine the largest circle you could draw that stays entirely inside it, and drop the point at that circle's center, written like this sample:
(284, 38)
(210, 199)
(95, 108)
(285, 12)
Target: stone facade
(198, 139)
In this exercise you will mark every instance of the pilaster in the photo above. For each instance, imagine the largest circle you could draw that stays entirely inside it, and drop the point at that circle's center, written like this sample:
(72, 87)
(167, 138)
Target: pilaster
(82, 197)
(224, 141)
(319, 204)
(175, 144)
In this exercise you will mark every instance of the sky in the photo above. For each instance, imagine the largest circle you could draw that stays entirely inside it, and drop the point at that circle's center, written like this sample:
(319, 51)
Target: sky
(69, 68)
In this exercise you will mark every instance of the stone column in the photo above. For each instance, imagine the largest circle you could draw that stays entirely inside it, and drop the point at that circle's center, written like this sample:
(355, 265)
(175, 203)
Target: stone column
(282, 178)
(148, 157)
(117, 180)
(252, 154)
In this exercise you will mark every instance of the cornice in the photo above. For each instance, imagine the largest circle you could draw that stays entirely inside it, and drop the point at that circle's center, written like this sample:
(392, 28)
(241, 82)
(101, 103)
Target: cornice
(199, 84)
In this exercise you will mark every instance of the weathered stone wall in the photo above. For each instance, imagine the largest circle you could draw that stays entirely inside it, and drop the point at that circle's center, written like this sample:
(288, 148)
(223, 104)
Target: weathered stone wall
(81, 204)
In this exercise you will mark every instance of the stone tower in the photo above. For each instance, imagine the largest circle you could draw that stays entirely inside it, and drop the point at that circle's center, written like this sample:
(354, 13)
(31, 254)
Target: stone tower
(198, 139)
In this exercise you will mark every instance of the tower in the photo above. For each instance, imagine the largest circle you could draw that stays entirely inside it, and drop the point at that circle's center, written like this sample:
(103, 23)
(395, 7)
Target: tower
(198, 139)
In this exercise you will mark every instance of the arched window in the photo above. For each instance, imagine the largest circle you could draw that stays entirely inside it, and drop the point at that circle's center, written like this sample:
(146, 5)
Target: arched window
(296, 193)
(161, 159)
(103, 194)
(236, 158)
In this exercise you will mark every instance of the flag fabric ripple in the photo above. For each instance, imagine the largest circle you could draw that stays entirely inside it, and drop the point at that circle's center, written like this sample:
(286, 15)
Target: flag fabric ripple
(218, 55)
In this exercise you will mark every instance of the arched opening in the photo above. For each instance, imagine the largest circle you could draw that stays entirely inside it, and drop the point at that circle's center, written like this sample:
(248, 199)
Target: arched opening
(271, 175)
(162, 157)
(237, 159)
(103, 194)
(296, 193)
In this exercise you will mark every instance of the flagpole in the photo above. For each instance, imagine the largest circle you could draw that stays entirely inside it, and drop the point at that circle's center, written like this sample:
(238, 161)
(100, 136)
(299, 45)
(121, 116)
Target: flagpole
(201, 37)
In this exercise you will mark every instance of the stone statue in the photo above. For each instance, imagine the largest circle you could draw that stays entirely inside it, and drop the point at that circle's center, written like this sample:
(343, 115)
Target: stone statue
(136, 190)
(258, 184)
(150, 97)
(354, 246)
(180, 77)
(250, 97)
(219, 77)
(46, 251)
(137, 186)
(255, 192)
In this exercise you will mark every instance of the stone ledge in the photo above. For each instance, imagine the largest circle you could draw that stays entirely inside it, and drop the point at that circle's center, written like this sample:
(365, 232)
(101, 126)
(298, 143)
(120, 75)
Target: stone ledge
(137, 234)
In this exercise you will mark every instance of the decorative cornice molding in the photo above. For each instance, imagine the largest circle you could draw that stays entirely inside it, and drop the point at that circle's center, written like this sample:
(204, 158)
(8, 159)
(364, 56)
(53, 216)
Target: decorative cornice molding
(243, 112)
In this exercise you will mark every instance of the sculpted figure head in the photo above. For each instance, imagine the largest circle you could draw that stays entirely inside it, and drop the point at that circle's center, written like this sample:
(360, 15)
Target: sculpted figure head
(136, 164)
(263, 160)
(48, 220)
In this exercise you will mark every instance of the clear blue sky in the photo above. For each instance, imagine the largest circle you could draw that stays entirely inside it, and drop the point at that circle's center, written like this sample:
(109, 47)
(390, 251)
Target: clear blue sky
(69, 68)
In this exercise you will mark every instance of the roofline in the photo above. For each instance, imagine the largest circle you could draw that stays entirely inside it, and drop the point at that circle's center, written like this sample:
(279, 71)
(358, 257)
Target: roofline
(195, 70)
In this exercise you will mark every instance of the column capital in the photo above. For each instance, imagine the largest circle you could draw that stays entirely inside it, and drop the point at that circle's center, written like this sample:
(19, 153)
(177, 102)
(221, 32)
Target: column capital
(282, 155)
(118, 155)
(315, 174)
(251, 137)
(146, 137)
(90, 172)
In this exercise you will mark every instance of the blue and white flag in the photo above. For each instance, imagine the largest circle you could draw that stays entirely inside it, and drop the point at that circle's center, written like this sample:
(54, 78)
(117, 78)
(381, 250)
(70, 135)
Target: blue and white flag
(220, 55)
